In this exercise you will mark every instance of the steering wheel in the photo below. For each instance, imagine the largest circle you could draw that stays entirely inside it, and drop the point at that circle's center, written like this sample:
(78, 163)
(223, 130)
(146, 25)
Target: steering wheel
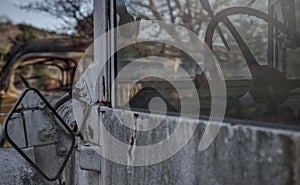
(270, 86)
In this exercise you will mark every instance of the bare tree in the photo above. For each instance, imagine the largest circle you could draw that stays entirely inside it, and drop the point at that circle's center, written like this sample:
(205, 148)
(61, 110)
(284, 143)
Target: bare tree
(188, 13)
(75, 14)
(195, 15)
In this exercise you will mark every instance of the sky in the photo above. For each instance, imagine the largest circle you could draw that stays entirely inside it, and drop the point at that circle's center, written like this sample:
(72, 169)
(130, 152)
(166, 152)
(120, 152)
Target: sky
(40, 20)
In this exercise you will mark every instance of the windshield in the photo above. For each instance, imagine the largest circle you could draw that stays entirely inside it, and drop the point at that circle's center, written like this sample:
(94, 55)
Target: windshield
(257, 47)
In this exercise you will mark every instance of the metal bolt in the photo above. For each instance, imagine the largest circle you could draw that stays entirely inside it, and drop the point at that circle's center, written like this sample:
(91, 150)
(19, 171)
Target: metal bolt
(103, 109)
(42, 104)
(74, 126)
(63, 149)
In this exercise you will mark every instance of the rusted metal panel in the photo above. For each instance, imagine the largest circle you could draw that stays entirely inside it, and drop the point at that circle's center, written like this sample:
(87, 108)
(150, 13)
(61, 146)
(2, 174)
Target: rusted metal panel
(240, 154)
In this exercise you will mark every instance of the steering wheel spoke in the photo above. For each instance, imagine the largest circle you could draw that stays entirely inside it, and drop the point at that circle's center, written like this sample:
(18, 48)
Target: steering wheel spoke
(270, 86)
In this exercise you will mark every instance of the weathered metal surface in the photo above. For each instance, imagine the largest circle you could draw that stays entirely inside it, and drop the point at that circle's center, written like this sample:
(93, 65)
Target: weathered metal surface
(101, 25)
(73, 174)
(16, 171)
(239, 155)
(89, 159)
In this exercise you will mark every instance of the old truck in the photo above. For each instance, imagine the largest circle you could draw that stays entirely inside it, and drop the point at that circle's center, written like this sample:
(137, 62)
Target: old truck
(172, 92)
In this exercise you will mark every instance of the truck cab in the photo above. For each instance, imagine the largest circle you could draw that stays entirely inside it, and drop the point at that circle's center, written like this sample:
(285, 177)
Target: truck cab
(173, 92)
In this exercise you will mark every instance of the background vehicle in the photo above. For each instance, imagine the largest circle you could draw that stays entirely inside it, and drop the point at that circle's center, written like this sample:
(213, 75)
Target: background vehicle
(31, 63)
(258, 142)
(47, 65)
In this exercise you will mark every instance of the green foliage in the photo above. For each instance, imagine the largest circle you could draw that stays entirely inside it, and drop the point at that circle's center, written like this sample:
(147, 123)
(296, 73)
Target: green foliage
(84, 27)
(26, 35)
(2, 51)
(2, 54)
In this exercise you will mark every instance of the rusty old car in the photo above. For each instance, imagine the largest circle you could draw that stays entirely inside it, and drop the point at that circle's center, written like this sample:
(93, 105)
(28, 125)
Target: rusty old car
(45, 64)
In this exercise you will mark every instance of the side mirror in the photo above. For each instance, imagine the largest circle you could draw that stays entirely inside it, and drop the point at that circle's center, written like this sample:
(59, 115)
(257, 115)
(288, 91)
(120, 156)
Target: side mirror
(39, 134)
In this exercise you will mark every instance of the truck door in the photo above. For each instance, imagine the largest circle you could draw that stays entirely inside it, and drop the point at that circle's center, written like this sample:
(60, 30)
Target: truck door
(148, 132)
